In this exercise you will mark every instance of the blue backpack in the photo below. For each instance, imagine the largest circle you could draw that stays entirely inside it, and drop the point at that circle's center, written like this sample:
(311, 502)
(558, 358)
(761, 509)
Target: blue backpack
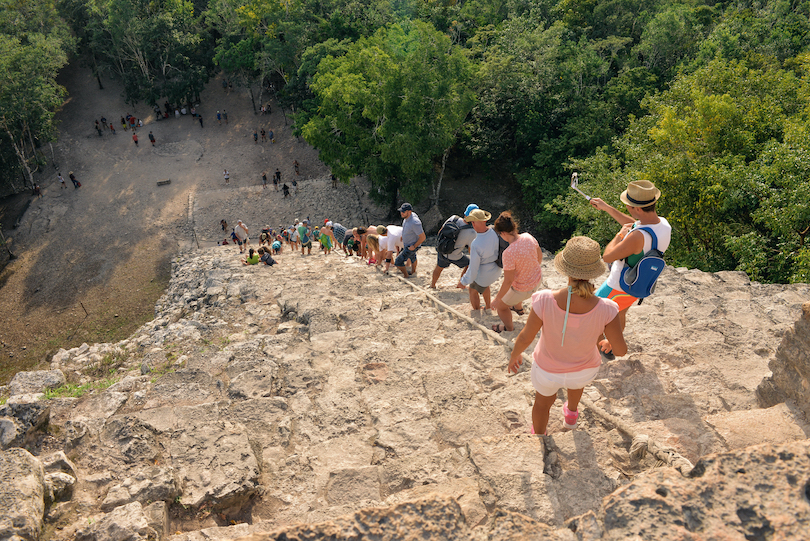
(639, 280)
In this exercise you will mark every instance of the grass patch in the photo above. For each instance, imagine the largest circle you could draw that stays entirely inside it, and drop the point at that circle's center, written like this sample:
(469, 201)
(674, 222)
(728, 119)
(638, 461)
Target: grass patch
(72, 390)
(108, 365)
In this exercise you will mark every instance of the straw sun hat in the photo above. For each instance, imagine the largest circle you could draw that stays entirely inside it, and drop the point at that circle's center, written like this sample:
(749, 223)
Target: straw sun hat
(580, 259)
(640, 193)
(477, 215)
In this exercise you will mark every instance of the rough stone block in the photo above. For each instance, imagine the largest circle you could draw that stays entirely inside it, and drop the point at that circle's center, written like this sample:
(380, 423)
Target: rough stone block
(353, 484)
(756, 493)
(36, 381)
(740, 429)
(22, 495)
(464, 491)
(22, 422)
(125, 523)
(433, 517)
(214, 463)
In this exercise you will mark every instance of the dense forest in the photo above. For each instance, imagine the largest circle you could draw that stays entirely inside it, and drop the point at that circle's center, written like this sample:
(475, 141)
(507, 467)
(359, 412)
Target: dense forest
(709, 100)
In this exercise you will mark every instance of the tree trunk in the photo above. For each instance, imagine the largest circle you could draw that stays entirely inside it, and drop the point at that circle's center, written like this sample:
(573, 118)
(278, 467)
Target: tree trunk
(21, 156)
(438, 186)
(33, 149)
(5, 245)
(252, 99)
(96, 72)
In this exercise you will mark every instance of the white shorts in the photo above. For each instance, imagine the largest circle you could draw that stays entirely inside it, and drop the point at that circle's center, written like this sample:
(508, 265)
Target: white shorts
(548, 383)
(514, 297)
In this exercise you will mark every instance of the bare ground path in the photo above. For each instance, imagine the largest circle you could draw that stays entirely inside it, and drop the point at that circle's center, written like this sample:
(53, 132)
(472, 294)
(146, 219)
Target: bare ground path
(106, 247)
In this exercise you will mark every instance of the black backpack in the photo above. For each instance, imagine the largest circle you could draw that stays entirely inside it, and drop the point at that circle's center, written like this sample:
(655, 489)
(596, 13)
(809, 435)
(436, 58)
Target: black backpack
(448, 235)
(502, 245)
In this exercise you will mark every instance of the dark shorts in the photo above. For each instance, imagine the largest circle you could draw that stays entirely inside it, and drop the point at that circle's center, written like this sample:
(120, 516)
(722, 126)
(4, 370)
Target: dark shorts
(403, 256)
(307, 244)
(478, 288)
(239, 241)
(443, 262)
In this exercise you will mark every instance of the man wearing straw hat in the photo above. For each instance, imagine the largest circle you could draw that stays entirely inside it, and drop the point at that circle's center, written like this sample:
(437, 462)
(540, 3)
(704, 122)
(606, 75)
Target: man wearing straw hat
(482, 271)
(629, 245)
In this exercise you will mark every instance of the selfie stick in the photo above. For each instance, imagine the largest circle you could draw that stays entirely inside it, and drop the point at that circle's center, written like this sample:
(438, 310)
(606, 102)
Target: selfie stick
(575, 183)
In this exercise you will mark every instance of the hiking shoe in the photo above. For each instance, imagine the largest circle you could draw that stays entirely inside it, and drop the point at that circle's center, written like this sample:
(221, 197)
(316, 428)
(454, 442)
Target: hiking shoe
(531, 430)
(571, 417)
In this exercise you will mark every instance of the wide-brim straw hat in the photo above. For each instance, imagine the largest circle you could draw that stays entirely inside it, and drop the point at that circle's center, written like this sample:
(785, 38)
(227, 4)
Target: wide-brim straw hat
(581, 259)
(478, 215)
(640, 193)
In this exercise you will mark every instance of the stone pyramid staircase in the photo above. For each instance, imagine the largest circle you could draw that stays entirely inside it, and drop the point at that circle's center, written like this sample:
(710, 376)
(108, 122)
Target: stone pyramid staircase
(262, 397)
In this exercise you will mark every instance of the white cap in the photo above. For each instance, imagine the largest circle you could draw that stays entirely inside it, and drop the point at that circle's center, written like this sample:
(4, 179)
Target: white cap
(329, 224)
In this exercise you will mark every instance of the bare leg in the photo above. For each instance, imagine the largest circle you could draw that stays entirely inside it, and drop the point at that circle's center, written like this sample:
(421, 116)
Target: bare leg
(475, 300)
(413, 266)
(540, 411)
(403, 271)
(574, 395)
(623, 317)
(487, 301)
(437, 271)
(506, 316)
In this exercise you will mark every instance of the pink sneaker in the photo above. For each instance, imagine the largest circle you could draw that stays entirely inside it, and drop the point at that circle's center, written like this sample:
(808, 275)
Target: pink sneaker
(570, 417)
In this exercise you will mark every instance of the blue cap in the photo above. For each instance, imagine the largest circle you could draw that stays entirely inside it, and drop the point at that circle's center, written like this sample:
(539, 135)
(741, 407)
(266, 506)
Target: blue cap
(471, 207)
(405, 206)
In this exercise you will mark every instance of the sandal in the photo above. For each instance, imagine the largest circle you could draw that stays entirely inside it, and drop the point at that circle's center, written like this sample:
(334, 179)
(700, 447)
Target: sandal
(518, 312)
(499, 328)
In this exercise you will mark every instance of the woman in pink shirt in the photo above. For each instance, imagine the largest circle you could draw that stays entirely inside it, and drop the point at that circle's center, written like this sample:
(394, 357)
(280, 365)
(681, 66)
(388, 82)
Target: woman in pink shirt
(522, 272)
(573, 321)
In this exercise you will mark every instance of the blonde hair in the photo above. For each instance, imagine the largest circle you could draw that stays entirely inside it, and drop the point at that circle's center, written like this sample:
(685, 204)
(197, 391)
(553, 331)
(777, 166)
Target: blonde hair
(583, 288)
(374, 242)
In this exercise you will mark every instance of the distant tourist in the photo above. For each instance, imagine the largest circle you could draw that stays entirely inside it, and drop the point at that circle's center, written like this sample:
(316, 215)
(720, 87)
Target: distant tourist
(265, 257)
(483, 271)
(251, 259)
(522, 271)
(412, 237)
(242, 235)
(466, 234)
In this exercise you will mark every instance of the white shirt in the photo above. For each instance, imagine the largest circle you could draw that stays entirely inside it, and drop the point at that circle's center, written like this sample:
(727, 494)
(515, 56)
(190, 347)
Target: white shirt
(394, 238)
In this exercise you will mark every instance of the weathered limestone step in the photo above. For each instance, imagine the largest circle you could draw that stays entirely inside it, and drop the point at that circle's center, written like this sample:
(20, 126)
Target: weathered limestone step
(318, 387)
